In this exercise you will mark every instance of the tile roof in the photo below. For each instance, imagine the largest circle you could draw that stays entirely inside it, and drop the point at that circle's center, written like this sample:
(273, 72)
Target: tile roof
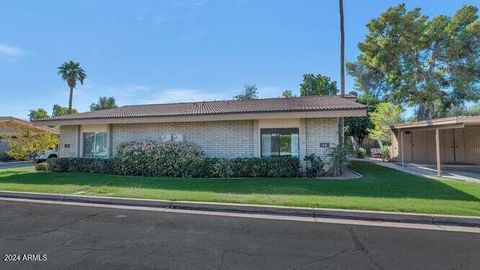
(9, 119)
(295, 104)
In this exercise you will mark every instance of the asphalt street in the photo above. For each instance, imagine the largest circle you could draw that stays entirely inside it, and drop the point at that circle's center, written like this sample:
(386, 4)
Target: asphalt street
(76, 237)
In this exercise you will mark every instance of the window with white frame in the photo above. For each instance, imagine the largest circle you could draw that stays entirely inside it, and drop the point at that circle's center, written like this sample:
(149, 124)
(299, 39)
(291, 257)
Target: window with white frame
(95, 144)
(279, 142)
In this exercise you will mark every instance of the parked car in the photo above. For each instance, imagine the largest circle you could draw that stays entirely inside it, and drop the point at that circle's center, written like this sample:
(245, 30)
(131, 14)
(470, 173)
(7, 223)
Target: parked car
(52, 153)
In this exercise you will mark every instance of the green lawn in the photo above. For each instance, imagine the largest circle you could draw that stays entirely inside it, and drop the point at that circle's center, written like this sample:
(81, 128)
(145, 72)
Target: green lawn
(381, 189)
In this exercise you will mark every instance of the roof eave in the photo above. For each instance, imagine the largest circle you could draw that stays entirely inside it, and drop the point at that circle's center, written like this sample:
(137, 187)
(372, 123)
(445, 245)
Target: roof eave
(356, 112)
(39, 128)
(449, 121)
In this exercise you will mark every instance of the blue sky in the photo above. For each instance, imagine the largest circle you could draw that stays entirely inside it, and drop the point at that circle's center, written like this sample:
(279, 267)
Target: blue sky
(170, 51)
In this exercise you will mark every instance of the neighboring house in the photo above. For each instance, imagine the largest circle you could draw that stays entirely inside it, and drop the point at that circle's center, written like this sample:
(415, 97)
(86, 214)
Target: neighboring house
(9, 127)
(272, 127)
(439, 141)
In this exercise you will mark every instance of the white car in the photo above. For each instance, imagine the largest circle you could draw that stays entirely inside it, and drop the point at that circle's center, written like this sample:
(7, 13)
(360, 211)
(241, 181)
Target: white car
(52, 153)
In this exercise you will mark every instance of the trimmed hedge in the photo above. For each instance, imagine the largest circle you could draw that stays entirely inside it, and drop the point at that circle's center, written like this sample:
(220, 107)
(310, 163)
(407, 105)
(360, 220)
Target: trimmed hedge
(206, 168)
(172, 159)
(249, 167)
(85, 165)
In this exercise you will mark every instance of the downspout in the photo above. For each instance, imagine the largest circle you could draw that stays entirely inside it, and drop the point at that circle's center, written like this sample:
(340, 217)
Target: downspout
(79, 135)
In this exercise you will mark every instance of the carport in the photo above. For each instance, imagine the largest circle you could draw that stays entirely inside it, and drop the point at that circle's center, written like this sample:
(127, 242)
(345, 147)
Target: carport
(452, 140)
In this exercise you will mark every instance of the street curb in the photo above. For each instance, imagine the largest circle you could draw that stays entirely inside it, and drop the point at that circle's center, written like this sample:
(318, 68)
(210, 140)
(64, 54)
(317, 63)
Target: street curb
(256, 209)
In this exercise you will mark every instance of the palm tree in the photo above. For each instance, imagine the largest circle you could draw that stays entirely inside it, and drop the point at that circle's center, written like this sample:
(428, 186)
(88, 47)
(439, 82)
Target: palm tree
(103, 104)
(342, 70)
(71, 72)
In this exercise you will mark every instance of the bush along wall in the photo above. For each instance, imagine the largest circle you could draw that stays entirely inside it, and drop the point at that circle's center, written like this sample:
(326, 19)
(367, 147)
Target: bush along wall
(152, 158)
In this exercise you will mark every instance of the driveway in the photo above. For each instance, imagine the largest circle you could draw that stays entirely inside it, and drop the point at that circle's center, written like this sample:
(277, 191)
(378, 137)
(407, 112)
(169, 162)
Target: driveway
(451, 171)
(74, 237)
(16, 164)
(458, 172)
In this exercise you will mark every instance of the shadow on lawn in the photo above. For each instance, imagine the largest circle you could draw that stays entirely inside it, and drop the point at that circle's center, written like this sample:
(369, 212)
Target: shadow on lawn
(377, 182)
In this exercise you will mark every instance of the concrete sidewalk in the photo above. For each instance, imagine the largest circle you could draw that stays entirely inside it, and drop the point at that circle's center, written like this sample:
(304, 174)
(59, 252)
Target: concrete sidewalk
(256, 209)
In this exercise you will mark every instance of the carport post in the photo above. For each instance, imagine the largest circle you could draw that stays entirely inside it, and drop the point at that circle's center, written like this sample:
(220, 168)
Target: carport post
(437, 146)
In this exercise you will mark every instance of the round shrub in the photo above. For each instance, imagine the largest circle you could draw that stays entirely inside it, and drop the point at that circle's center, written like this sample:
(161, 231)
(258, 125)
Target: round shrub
(385, 153)
(42, 167)
(361, 152)
(315, 166)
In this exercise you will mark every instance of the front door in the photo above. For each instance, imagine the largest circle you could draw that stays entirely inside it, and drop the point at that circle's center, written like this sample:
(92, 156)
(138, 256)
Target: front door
(419, 153)
(407, 146)
(448, 146)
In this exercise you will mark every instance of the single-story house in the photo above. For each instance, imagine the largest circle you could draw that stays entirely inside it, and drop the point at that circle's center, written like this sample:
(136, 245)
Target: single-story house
(297, 126)
(9, 127)
(452, 140)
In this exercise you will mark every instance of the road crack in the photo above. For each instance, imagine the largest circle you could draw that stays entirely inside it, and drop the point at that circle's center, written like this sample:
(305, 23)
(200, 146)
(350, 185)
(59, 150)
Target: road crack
(362, 248)
(26, 236)
(70, 223)
(225, 252)
(322, 259)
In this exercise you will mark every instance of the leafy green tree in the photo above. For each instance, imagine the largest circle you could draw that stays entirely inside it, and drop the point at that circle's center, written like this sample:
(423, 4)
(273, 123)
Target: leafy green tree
(103, 104)
(287, 94)
(475, 110)
(71, 72)
(38, 114)
(338, 159)
(250, 92)
(385, 115)
(59, 110)
(25, 143)
(464, 111)
(368, 80)
(431, 64)
(45, 141)
(358, 127)
(316, 85)
(457, 111)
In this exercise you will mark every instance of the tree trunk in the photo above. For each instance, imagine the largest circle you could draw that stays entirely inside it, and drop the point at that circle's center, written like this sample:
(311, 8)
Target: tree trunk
(360, 140)
(420, 111)
(341, 120)
(424, 112)
(70, 101)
